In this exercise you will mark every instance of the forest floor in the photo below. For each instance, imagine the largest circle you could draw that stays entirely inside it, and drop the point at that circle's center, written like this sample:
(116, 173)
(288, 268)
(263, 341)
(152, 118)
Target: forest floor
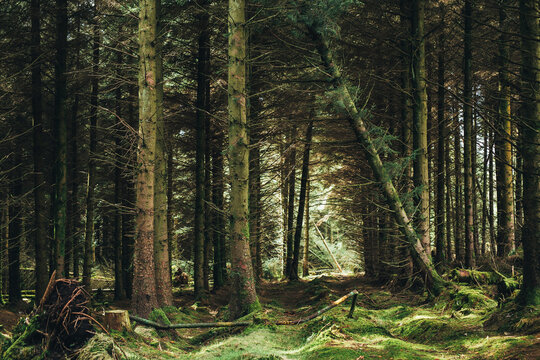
(464, 323)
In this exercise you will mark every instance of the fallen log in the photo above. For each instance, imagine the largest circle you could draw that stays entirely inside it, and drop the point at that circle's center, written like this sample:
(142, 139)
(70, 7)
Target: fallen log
(332, 305)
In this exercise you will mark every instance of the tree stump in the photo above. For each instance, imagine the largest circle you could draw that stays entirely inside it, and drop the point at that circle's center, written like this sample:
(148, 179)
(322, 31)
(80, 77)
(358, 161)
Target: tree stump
(117, 320)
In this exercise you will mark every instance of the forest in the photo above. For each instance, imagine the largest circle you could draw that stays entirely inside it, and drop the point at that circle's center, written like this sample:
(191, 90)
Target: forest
(269, 179)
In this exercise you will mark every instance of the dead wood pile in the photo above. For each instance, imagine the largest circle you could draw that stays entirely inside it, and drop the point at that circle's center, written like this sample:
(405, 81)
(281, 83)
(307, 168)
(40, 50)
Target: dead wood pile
(58, 326)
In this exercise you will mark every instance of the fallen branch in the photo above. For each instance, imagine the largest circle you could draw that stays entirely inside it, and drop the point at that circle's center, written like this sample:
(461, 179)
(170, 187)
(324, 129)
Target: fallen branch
(332, 305)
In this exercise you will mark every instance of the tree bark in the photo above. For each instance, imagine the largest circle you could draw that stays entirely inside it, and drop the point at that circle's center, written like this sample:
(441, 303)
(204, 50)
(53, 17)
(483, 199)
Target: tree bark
(420, 113)
(467, 138)
(530, 125)
(144, 285)
(434, 282)
(458, 216)
(243, 295)
(406, 119)
(291, 192)
(448, 191)
(218, 229)
(90, 190)
(40, 193)
(255, 192)
(492, 242)
(60, 133)
(503, 148)
(15, 220)
(119, 289)
(301, 204)
(440, 219)
(161, 243)
(203, 69)
(305, 263)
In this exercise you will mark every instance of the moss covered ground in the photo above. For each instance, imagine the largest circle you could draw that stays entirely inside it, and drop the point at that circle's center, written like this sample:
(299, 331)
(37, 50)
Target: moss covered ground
(463, 323)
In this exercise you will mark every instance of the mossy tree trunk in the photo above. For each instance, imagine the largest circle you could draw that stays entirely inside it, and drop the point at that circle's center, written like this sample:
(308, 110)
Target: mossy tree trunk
(60, 135)
(434, 282)
(530, 132)
(243, 295)
(144, 285)
(161, 243)
(503, 146)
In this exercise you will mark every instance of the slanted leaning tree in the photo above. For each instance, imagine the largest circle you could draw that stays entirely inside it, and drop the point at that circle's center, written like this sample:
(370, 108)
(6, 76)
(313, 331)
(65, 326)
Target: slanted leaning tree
(343, 100)
(243, 295)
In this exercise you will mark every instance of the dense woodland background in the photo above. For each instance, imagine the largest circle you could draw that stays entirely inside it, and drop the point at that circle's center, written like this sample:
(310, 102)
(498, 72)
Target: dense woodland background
(445, 93)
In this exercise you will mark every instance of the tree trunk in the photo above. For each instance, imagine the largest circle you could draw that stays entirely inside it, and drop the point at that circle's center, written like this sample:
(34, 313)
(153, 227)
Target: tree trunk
(161, 243)
(305, 263)
(119, 289)
(458, 228)
(291, 192)
(435, 283)
(492, 243)
(243, 295)
(144, 285)
(203, 69)
(90, 190)
(301, 204)
(467, 138)
(530, 125)
(485, 190)
(170, 222)
(218, 230)
(75, 177)
(40, 185)
(129, 201)
(284, 185)
(255, 192)
(60, 133)
(448, 191)
(503, 148)
(15, 222)
(406, 122)
(420, 113)
(440, 237)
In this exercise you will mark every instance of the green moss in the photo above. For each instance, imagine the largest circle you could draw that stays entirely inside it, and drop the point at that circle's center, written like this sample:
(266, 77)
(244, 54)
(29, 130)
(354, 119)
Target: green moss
(159, 316)
(469, 298)
(333, 353)
(474, 276)
(432, 329)
(100, 347)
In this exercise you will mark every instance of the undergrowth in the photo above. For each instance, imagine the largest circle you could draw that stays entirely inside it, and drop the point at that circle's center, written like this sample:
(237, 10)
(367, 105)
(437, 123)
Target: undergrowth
(452, 326)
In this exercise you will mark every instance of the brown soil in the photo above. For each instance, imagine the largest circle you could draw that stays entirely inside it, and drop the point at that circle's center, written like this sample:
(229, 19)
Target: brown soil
(8, 319)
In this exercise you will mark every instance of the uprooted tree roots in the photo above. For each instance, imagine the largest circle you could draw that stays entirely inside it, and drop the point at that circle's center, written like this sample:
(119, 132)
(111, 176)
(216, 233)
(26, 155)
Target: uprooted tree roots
(59, 326)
